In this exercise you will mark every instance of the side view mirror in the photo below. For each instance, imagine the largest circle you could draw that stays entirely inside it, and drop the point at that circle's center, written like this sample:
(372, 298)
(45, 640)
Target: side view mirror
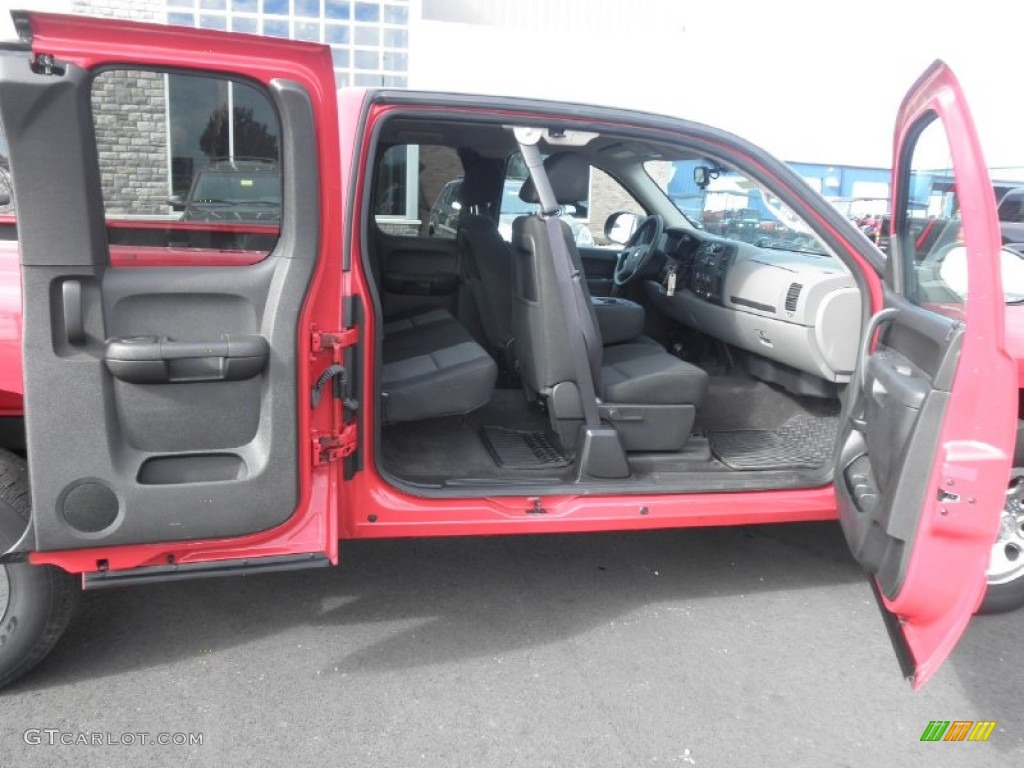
(620, 226)
(952, 272)
(177, 202)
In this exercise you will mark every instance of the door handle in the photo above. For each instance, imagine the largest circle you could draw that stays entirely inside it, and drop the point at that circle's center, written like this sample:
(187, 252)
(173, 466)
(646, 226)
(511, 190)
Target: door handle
(159, 360)
(877, 320)
(74, 320)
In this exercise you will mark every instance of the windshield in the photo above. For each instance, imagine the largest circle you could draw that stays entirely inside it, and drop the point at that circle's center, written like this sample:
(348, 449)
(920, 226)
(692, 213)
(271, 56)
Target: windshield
(237, 188)
(730, 205)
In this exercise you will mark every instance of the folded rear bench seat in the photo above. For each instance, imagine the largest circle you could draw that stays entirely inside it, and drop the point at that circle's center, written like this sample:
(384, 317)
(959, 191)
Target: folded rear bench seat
(432, 367)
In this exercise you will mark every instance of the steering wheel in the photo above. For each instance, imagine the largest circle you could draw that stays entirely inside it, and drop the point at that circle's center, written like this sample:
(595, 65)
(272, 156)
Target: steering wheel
(638, 251)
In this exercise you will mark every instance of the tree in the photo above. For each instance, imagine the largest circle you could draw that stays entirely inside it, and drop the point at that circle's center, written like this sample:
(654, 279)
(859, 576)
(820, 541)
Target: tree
(252, 137)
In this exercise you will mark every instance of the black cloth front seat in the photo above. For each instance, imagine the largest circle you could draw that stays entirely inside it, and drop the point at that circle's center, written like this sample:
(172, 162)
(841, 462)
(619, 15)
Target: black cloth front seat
(633, 373)
(485, 259)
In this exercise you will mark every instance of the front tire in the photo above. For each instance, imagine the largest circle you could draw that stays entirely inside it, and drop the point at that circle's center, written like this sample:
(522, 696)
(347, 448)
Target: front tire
(36, 602)
(1005, 573)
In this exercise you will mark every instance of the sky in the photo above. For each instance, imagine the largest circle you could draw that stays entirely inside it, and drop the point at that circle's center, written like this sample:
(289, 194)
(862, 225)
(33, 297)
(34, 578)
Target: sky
(809, 81)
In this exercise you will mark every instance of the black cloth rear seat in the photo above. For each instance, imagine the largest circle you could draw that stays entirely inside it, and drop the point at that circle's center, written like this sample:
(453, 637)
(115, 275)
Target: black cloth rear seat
(432, 367)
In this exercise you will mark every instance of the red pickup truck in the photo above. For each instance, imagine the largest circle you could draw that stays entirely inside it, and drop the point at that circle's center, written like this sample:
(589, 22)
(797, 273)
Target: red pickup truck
(183, 399)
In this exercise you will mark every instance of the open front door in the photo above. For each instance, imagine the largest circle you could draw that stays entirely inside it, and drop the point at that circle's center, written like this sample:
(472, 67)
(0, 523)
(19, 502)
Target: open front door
(177, 204)
(925, 457)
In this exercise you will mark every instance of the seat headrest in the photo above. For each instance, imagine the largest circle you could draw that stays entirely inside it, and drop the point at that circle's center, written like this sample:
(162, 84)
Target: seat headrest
(482, 183)
(569, 177)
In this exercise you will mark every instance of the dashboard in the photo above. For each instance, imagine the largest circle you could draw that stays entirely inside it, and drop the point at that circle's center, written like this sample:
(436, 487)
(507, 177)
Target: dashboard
(793, 307)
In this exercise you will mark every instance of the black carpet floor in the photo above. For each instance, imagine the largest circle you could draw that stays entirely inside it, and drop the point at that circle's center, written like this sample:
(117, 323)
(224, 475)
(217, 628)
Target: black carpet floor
(751, 425)
(451, 447)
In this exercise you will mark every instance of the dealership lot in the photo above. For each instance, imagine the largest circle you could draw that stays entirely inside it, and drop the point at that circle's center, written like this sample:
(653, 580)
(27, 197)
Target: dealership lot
(743, 646)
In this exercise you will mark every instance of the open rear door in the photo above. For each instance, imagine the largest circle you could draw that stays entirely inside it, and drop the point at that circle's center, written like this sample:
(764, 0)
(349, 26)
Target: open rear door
(169, 354)
(925, 456)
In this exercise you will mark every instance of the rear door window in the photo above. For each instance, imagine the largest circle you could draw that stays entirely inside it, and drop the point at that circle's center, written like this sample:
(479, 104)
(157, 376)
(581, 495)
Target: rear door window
(190, 167)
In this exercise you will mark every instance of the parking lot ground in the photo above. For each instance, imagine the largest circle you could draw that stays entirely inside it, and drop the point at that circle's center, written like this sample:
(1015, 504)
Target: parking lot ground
(755, 646)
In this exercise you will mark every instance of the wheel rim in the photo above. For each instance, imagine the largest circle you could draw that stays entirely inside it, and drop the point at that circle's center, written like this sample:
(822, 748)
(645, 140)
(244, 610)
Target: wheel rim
(1007, 561)
(5, 592)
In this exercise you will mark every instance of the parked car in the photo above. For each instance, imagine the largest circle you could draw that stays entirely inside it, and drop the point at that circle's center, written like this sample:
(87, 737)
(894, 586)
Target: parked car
(204, 413)
(444, 215)
(1011, 218)
(743, 224)
(233, 190)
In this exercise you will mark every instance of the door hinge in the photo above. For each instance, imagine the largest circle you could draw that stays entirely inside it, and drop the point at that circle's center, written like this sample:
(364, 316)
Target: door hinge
(322, 340)
(334, 446)
(44, 64)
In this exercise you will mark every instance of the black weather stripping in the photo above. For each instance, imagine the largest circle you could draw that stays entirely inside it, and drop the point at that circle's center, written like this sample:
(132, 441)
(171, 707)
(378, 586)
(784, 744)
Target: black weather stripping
(155, 573)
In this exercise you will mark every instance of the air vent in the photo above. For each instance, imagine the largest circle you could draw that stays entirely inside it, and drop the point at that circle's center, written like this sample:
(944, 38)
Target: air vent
(792, 295)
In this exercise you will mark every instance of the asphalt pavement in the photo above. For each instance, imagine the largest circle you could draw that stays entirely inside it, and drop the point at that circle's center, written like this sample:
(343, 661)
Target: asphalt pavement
(721, 647)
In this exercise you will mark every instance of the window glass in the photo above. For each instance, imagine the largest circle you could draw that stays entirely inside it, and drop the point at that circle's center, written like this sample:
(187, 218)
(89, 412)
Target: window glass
(932, 251)
(416, 191)
(336, 33)
(367, 12)
(396, 14)
(367, 60)
(1011, 207)
(395, 62)
(368, 36)
(726, 202)
(336, 9)
(183, 148)
(396, 38)
(275, 28)
(340, 57)
(307, 30)
(213, 22)
(929, 230)
(308, 8)
(244, 24)
(368, 80)
(577, 215)
(6, 188)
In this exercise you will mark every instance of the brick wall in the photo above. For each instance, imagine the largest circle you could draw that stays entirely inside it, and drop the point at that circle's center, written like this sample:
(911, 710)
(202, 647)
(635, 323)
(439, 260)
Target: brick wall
(130, 112)
(439, 166)
(6, 189)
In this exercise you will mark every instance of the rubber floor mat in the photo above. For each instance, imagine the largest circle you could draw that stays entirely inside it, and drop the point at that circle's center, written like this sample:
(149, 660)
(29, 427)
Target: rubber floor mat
(516, 449)
(803, 442)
